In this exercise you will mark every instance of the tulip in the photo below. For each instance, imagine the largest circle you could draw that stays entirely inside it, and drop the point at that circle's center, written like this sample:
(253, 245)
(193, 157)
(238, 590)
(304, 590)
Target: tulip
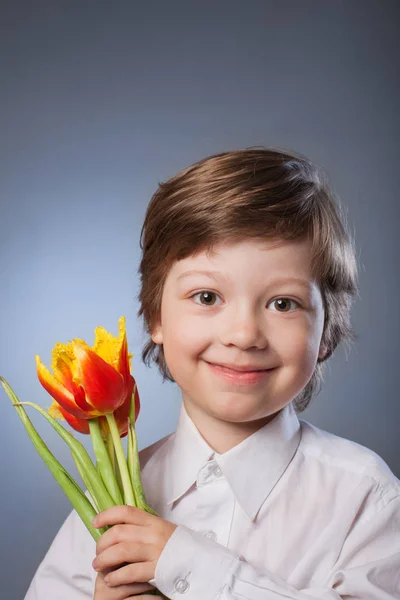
(91, 382)
(82, 425)
(92, 390)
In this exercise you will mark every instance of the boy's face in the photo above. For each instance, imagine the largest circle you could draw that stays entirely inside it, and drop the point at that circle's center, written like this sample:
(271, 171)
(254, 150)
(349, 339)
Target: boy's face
(243, 318)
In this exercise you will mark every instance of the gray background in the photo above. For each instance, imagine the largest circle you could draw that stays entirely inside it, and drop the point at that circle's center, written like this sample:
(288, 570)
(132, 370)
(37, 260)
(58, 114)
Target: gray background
(102, 100)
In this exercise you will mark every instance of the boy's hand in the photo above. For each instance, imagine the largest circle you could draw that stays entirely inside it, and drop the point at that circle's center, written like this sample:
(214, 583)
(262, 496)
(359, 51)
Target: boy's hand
(102, 591)
(136, 538)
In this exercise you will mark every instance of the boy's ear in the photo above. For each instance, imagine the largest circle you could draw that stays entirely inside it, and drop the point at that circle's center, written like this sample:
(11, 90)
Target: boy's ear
(322, 351)
(156, 334)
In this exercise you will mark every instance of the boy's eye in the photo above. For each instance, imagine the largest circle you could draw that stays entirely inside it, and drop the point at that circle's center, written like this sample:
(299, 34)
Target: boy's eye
(207, 296)
(283, 303)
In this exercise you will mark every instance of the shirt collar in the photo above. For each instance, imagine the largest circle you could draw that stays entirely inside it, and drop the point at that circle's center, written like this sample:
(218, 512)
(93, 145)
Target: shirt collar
(255, 464)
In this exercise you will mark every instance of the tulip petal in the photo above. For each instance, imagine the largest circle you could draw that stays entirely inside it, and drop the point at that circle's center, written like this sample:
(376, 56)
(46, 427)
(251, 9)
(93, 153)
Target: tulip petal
(137, 401)
(106, 345)
(57, 412)
(124, 357)
(64, 368)
(109, 347)
(122, 417)
(115, 351)
(104, 386)
(57, 390)
(124, 367)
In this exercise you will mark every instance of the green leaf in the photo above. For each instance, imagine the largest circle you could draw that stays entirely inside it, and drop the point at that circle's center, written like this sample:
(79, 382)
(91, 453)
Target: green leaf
(71, 489)
(90, 476)
(81, 474)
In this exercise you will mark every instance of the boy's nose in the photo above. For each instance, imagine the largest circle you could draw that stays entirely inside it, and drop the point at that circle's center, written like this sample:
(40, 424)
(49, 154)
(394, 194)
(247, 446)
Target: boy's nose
(244, 331)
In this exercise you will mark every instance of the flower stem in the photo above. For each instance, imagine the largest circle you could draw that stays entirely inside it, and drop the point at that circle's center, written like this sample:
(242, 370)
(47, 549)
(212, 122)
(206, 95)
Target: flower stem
(134, 470)
(111, 453)
(133, 460)
(91, 478)
(110, 450)
(123, 467)
(89, 487)
(71, 489)
(103, 462)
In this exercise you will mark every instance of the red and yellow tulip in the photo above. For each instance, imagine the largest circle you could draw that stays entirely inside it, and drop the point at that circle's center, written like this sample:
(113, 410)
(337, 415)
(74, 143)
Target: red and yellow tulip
(91, 382)
(93, 390)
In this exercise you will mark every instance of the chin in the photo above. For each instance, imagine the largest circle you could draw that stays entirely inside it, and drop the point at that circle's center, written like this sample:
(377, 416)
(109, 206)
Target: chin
(235, 412)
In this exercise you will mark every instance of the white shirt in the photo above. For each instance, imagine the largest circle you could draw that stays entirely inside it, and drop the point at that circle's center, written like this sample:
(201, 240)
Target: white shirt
(292, 512)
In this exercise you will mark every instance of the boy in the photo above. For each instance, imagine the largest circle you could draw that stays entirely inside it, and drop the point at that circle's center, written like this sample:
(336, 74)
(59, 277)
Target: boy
(247, 277)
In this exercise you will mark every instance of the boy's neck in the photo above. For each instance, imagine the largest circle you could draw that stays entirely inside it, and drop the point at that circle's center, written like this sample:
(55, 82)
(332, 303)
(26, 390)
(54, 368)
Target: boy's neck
(220, 435)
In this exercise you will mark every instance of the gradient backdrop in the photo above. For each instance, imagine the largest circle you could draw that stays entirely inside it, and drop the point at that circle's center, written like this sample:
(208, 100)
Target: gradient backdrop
(102, 100)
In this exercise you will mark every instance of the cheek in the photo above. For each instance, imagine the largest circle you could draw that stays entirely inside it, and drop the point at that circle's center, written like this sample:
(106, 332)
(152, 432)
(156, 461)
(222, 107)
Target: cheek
(185, 335)
(308, 358)
(299, 344)
(184, 345)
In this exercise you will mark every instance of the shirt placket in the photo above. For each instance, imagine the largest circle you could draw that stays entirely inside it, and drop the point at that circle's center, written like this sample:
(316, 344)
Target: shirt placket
(215, 504)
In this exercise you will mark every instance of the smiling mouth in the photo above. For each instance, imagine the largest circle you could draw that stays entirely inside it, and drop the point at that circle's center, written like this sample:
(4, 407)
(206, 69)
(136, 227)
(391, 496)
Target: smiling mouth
(238, 371)
(240, 377)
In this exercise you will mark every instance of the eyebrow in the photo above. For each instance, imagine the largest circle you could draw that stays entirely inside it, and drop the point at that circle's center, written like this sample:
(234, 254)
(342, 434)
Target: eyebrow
(215, 274)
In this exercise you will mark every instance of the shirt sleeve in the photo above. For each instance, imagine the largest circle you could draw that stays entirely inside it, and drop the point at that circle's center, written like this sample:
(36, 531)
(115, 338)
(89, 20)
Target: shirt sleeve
(197, 568)
(66, 571)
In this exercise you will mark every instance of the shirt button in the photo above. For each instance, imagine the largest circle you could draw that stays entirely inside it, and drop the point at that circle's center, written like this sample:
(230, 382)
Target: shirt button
(182, 586)
(217, 471)
(211, 535)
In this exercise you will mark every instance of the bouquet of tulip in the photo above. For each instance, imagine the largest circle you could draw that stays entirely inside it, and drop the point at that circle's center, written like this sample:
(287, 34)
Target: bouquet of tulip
(94, 392)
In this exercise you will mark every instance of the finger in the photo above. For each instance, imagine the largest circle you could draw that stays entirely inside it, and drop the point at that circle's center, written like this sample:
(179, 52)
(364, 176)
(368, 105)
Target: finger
(121, 553)
(117, 534)
(103, 591)
(131, 573)
(121, 514)
(141, 597)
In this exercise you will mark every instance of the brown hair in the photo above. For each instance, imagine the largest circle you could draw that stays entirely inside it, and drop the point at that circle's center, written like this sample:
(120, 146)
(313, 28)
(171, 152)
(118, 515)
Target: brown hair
(257, 193)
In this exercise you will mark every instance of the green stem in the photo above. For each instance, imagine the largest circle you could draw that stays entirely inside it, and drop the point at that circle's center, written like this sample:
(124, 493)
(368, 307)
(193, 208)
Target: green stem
(130, 461)
(111, 453)
(134, 470)
(123, 467)
(71, 489)
(103, 462)
(89, 474)
(110, 450)
(133, 460)
(91, 492)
